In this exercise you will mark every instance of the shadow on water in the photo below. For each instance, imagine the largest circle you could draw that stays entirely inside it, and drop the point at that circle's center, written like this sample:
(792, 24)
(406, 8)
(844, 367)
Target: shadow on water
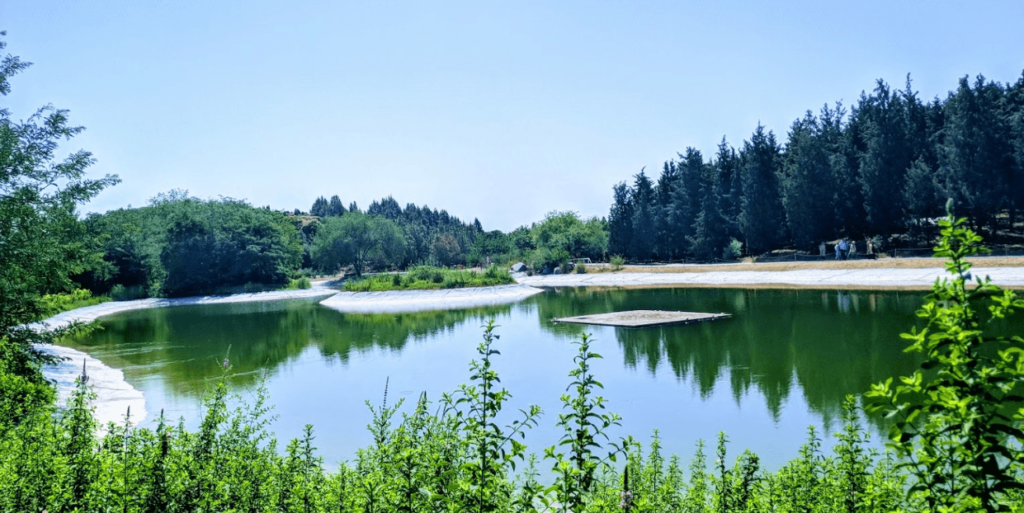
(825, 343)
(784, 360)
(187, 345)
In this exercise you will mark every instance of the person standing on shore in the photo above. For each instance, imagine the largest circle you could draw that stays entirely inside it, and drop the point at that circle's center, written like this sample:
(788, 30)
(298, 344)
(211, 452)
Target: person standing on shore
(844, 249)
(821, 249)
(838, 254)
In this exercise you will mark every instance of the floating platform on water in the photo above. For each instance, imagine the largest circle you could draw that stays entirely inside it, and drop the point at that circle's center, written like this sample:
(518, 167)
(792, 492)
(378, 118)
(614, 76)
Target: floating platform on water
(643, 318)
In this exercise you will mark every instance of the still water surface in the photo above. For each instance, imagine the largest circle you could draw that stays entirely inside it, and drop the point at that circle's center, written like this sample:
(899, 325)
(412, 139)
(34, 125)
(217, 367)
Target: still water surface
(783, 362)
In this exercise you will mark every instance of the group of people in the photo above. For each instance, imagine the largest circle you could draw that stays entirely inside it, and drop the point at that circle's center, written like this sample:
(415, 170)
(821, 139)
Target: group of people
(845, 248)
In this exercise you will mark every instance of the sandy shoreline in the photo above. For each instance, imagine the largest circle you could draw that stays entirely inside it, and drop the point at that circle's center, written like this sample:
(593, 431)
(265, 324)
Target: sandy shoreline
(920, 278)
(422, 300)
(114, 395)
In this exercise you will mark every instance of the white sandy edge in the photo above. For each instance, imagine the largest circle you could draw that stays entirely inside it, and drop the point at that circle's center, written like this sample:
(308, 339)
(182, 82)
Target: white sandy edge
(114, 395)
(881, 278)
(399, 301)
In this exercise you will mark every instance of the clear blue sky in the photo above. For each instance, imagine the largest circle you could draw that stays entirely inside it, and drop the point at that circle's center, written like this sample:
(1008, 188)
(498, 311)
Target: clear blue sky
(496, 110)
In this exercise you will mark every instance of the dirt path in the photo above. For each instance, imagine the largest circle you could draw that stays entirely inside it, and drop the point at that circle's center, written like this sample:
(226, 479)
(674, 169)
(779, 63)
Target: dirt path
(882, 263)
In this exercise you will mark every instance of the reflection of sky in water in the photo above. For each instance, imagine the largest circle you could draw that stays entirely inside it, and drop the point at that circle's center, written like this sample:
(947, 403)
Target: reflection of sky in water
(785, 361)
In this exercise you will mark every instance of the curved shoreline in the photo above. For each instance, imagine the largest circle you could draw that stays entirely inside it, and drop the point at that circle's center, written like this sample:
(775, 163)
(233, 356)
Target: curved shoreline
(402, 301)
(114, 395)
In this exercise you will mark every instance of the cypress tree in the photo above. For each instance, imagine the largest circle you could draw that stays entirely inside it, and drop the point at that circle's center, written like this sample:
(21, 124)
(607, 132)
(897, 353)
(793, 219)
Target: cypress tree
(762, 221)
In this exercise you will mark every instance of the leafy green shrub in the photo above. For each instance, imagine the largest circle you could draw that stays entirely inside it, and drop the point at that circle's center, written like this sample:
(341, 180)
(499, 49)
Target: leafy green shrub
(54, 304)
(302, 283)
(617, 262)
(547, 258)
(952, 422)
(428, 278)
(733, 250)
(581, 268)
(118, 292)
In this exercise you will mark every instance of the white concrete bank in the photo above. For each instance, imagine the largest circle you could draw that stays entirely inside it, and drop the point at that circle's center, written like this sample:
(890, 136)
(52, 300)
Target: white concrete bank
(421, 300)
(113, 394)
(1003, 276)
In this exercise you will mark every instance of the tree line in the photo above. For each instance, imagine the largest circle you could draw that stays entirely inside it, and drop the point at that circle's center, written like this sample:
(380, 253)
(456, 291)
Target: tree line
(882, 170)
(955, 444)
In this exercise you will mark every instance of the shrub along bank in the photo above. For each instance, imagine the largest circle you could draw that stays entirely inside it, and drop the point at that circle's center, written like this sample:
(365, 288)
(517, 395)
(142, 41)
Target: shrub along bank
(431, 278)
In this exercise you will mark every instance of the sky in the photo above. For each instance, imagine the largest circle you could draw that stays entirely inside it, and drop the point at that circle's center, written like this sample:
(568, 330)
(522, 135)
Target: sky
(501, 111)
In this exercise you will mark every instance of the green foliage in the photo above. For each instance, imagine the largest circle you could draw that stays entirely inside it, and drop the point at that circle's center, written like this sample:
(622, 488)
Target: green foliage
(562, 236)
(457, 457)
(952, 420)
(617, 262)
(879, 169)
(585, 425)
(358, 240)
(54, 304)
(430, 278)
(42, 243)
(226, 243)
(733, 251)
(179, 245)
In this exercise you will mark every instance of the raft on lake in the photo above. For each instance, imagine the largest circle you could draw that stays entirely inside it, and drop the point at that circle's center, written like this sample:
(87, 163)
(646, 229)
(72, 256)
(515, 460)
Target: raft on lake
(642, 318)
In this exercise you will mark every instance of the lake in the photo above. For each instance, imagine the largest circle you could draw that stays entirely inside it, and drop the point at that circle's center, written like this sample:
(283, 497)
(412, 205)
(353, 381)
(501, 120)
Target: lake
(783, 362)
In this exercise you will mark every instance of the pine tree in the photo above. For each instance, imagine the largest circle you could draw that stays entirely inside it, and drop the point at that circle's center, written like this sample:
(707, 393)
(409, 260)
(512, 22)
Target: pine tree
(684, 204)
(620, 221)
(1013, 113)
(644, 231)
(335, 208)
(728, 165)
(762, 221)
(921, 193)
(976, 157)
(666, 244)
(807, 186)
(710, 228)
(884, 162)
(319, 208)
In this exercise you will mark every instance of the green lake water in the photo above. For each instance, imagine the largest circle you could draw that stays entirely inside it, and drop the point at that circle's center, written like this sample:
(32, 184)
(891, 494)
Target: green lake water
(783, 362)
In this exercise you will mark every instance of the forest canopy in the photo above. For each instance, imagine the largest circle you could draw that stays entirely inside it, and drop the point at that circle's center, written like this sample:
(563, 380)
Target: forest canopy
(882, 169)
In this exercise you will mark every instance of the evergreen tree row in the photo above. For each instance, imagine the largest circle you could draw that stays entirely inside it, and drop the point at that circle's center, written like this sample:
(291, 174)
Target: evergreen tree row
(883, 170)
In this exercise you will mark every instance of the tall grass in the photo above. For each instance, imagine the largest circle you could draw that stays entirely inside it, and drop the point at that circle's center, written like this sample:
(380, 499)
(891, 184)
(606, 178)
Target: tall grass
(431, 278)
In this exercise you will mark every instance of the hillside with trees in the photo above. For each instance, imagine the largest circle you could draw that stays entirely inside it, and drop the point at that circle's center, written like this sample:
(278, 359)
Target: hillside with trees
(882, 170)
